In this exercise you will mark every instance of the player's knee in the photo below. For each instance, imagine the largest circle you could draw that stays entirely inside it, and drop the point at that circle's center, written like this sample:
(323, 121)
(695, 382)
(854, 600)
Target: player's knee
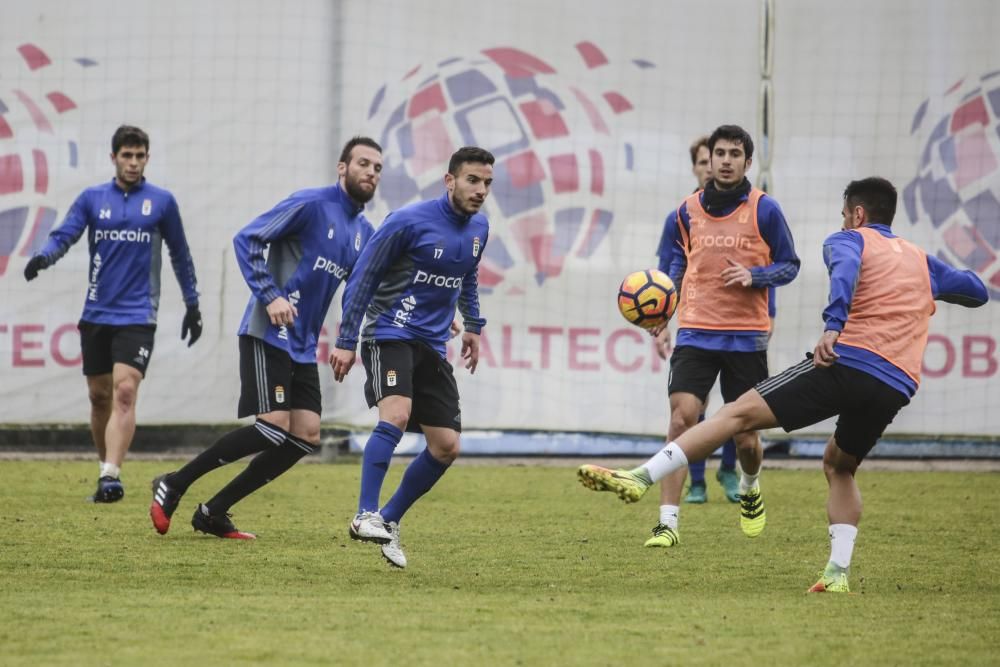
(681, 421)
(445, 449)
(125, 395)
(307, 435)
(100, 398)
(747, 441)
(397, 417)
(279, 418)
(838, 462)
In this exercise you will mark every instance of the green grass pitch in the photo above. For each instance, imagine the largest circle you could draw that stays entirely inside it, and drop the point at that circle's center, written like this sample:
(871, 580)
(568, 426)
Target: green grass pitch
(509, 565)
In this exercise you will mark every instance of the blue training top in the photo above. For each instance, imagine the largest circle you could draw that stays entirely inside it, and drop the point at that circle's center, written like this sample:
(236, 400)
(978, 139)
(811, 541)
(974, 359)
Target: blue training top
(783, 269)
(315, 238)
(421, 262)
(124, 235)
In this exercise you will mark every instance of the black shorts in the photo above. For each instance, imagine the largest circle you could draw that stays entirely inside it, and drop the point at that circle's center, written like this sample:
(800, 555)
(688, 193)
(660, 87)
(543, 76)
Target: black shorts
(693, 371)
(417, 371)
(803, 395)
(104, 345)
(270, 380)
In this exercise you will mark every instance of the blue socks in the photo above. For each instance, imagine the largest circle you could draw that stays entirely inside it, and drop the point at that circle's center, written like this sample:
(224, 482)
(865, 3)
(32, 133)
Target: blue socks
(729, 454)
(375, 463)
(422, 474)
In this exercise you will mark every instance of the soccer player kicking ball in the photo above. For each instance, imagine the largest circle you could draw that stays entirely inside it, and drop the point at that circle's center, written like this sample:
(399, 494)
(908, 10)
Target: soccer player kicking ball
(313, 239)
(865, 367)
(420, 264)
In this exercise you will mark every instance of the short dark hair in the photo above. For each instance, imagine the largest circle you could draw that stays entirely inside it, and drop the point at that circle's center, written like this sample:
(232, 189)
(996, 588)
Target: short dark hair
(874, 194)
(733, 133)
(469, 154)
(345, 154)
(128, 135)
(696, 146)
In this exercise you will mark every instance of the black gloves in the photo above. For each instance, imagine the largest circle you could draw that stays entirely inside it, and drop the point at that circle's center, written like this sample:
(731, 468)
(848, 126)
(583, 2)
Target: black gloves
(192, 325)
(34, 265)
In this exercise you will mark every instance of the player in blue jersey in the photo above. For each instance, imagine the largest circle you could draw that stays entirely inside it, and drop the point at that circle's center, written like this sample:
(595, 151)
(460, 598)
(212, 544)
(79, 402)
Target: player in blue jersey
(127, 220)
(864, 368)
(732, 244)
(420, 264)
(313, 239)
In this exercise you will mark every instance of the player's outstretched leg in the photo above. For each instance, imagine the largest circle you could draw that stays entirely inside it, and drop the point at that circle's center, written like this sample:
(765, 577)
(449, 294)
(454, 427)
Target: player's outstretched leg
(165, 500)
(219, 525)
(629, 485)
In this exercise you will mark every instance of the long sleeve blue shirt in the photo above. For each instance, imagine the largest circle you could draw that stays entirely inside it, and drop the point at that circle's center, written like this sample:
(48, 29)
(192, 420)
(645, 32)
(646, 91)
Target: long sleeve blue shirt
(420, 264)
(125, 233)
(782, 270)
(842, 256)
(313, 240)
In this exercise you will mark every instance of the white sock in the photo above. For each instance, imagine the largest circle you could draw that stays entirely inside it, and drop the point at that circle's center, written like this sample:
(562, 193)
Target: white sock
(670, 515)
(110, 470)
(665, 461)
(842, 536)
(748, 482)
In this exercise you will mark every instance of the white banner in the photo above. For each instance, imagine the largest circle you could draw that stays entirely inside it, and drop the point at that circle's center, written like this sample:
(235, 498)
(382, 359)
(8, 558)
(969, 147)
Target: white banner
(589, 108)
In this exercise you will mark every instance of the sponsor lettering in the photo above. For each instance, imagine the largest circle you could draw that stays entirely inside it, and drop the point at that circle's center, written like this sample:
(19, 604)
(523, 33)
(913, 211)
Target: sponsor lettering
(720, 241)
(127, 235)
(625, 350)
(330, 266)
(450, 282)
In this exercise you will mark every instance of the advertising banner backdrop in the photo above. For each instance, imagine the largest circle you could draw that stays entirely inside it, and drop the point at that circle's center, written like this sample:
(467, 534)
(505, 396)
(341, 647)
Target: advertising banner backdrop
(246, 102)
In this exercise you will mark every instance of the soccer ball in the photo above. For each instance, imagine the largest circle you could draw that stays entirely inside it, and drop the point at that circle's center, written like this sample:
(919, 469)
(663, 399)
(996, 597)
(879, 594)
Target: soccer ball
(647, 298)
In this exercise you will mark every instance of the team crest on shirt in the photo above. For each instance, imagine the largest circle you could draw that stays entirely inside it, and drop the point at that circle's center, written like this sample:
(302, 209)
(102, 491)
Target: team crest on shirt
(329, 233)
(279, 394)
(147, 206)
(357, 241)
(475, 247)
(390, 379)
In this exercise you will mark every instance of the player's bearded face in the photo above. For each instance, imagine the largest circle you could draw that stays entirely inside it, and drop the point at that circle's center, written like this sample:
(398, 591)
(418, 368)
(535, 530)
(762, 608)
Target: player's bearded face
(360, 177)
(468, 190)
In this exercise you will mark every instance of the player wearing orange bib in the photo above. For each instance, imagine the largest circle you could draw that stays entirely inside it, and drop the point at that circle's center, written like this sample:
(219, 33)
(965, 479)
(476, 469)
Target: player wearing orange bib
(864, 369)
(732, 245)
